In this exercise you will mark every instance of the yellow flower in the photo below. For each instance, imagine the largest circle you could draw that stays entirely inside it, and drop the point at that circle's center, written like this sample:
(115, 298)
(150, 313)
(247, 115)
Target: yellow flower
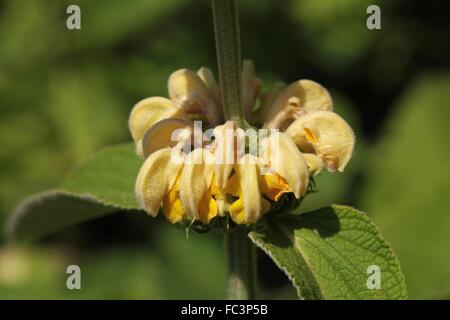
(325, 134)
(246, 184)
(284, 158)
(197, 176)
(196, 186)
(149, 112)
(157, 179)
(296, 100)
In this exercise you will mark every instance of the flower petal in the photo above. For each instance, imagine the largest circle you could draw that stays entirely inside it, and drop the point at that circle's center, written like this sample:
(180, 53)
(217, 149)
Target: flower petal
(189, 92)
(327, 135)
(156, 178)
(171, 133)
(196, 179)
(149, 111)
(297, 99)
(273, 186)
(285, 159)
(315, 164)
(173, 209)
(250, 206)
(226, 148)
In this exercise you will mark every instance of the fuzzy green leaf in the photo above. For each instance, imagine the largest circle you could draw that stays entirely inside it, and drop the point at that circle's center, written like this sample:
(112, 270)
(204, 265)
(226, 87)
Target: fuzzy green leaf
(103, 184)
(326, 254)
(109, 177)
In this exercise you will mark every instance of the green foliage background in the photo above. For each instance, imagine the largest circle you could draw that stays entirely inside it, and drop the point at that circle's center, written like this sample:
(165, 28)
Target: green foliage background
(65, 94)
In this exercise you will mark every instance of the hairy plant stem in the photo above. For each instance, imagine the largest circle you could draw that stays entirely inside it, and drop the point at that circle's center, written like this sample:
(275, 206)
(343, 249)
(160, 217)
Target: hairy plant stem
(240, 250)
(242, 265)
(228, 48)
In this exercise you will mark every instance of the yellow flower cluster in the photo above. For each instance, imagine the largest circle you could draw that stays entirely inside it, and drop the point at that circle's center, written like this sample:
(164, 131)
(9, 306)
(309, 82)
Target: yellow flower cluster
(194, 176)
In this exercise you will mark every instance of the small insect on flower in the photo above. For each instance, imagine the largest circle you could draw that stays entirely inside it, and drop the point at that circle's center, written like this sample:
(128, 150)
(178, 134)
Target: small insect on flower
(226, 171)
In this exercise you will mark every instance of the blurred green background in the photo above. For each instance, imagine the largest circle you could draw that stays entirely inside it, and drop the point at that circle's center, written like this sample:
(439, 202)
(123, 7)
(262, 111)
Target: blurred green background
(65, 94)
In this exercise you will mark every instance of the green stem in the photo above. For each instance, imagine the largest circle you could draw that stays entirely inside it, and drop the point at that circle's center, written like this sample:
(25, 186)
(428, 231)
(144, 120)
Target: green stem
(241, 264)
(228, 47)
(240, 250)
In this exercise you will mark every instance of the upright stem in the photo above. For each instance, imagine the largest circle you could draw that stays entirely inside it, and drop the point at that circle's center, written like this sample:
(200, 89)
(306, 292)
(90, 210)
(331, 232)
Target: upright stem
(240, 250)
(242, 265)
(228, 48)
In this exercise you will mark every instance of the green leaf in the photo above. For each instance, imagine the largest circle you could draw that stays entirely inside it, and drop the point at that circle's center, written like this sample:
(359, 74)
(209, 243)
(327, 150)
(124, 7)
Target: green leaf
(408, 182)
(103, 184)
(109, 177)
(326, 254)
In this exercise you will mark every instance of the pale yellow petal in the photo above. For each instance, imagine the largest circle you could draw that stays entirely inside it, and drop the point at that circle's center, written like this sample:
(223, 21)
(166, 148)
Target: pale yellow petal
(148, 112)
(315, 164)
(225, 147)
(156, 178)
(283, 156)
(170, 133)
(327, 135)
(189, 92)
(196, 179)
(253, 207)
(297, 99)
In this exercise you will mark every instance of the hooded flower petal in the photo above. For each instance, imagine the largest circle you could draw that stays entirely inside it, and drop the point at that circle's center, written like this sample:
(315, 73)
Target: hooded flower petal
(327, 135)
(297, 99)
(245, 184)
(171, 133)
(156, 178)
(189, 92)
(196, 185)
(148, 112)
(226, 149)
(283, 156)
